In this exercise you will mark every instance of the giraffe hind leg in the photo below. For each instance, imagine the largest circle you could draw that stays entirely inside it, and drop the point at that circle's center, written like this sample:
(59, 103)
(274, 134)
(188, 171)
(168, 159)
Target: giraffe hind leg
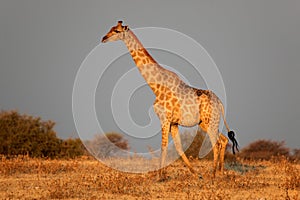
(178, 146)
(213, 133)
(216, 150)
(223, 141)
(219, 154)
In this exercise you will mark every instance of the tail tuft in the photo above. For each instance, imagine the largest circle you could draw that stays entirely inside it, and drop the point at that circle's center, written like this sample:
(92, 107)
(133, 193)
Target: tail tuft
(235, 145)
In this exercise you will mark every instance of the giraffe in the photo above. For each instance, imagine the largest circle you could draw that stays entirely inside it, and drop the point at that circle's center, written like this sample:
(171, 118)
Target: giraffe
(176, 102)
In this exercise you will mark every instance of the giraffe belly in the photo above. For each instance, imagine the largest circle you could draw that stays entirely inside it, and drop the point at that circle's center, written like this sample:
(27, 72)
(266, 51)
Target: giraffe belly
(190, 118)
(189, 109)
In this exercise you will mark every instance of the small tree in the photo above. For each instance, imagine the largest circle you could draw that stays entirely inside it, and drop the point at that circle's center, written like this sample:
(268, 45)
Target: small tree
(109, 144)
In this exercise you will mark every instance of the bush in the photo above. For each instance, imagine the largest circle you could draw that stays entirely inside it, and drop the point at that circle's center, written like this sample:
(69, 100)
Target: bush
(23, 134)
(71, 148)
(296, 155)
(28, 135)
(264, 150)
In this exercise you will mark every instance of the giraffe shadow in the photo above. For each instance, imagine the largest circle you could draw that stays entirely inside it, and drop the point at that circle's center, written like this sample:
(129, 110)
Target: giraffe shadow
(242, 168)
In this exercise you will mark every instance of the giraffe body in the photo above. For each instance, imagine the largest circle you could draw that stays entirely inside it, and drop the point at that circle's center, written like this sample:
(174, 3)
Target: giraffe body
(176, 102)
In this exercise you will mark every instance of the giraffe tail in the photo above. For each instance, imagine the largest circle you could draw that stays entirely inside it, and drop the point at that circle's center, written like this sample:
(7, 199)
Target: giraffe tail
(231, 134)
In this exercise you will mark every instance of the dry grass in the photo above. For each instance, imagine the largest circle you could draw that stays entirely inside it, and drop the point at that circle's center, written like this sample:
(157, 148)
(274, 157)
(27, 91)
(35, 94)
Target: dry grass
(25, 178)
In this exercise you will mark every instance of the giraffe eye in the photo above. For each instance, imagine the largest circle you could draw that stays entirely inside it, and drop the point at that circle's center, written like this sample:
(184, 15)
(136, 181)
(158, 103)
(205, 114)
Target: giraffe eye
(116, 31)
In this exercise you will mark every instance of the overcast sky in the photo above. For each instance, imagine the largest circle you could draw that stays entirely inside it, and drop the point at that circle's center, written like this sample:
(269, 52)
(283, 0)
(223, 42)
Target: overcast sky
(255, 44)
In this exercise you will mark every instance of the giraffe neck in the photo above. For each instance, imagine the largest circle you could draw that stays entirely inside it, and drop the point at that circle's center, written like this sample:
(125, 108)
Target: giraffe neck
(148, 67)
(138, 52)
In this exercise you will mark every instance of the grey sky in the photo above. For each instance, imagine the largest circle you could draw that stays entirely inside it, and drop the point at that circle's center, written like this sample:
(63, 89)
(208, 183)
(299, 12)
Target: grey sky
(255, 45)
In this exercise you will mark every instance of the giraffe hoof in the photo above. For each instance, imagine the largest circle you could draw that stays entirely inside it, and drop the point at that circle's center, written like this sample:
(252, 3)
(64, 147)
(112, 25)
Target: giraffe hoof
(200, 177)
(163, 179)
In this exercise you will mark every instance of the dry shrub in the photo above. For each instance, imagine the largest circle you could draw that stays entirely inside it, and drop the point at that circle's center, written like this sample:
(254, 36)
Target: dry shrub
(264, 150)
(296, 155)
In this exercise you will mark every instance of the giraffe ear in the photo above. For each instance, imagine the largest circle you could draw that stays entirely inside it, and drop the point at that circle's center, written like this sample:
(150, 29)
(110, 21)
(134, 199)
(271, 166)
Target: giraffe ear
(126, 28)
(120, 24)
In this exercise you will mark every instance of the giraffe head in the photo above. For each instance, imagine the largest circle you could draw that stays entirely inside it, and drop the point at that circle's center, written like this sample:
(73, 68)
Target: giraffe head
(116, 33)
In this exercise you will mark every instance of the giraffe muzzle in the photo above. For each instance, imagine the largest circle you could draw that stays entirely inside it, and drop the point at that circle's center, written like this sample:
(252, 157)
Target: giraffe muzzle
(104, 39)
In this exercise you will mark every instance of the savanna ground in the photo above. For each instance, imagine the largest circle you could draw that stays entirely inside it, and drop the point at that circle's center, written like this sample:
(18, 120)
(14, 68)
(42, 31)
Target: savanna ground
(83, 178)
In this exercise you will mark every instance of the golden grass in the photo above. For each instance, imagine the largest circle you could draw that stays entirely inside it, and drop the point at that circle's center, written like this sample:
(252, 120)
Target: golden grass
(26, 178)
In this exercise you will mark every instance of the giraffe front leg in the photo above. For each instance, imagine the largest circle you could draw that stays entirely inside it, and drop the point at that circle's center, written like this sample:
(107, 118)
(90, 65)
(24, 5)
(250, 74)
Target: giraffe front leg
(164, 147)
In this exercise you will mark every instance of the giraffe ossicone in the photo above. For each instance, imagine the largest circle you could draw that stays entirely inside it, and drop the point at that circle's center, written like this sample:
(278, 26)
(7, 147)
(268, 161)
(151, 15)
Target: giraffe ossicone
(176, 103)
